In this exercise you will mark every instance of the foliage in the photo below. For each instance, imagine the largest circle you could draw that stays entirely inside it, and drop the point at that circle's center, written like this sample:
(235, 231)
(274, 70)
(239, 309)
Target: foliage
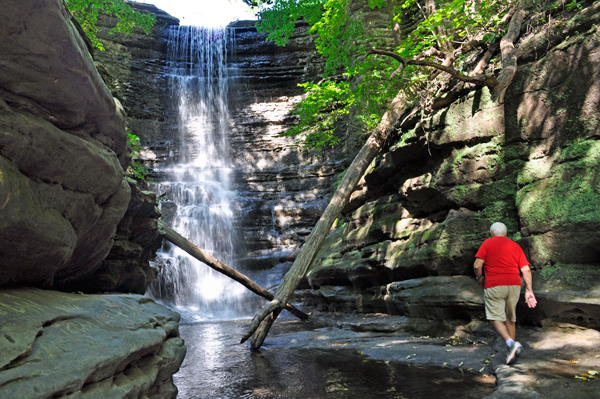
(86, 12)
(280, 19)
(322, 107)
(137, 168)
(357, 89)
(452, 22)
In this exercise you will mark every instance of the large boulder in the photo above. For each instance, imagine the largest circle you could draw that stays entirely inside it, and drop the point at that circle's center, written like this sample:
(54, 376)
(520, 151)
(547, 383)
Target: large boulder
(47, 71)
(127, 266)
(63, 148)
(62, 345)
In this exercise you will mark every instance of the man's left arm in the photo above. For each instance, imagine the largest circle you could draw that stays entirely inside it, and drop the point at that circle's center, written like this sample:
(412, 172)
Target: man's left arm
(529, 296)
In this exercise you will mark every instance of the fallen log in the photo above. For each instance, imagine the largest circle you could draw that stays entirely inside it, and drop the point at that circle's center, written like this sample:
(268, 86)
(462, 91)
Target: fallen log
(183, 243)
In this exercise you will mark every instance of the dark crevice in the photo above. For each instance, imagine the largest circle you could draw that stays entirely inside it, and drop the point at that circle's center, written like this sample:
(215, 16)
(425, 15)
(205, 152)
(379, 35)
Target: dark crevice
(58, 319)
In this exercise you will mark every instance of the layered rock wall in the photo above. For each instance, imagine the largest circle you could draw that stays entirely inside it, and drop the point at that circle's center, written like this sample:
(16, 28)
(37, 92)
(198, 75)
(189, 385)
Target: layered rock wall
(282, 190)
(425, 206)
(70, 219)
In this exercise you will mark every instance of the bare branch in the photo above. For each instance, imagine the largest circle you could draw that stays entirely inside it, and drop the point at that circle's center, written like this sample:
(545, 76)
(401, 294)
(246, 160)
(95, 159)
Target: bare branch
(481, 80)
(203, 256)
(262, 331)
(397, 71)
(483, 62)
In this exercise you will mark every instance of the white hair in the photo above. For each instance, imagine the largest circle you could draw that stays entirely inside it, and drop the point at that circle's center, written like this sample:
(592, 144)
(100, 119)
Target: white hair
(498, 229)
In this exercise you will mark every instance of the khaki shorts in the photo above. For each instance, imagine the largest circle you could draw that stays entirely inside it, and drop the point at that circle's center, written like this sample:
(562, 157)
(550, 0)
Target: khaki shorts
(501, 302)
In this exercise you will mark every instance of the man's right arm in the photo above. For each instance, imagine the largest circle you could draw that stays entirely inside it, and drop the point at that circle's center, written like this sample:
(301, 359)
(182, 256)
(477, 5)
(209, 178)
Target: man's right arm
(529, 296)
(478, 268)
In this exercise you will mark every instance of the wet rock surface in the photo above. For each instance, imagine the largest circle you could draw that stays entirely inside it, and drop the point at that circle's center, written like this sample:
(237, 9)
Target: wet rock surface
(556, 363)
(554, 354)
(316, 360)
(62, 345)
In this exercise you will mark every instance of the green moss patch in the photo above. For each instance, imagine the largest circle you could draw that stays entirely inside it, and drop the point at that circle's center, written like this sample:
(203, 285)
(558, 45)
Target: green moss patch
(569, 196)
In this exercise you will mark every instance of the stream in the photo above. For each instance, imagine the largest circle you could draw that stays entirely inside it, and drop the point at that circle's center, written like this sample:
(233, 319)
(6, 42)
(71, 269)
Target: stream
(218, 366)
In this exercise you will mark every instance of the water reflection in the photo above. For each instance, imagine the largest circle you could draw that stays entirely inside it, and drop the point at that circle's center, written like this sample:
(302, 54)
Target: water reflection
(217, 366)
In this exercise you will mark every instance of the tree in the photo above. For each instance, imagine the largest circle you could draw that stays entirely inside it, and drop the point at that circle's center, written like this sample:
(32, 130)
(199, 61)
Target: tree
(86, 12)
(361, 78)
(442, 35)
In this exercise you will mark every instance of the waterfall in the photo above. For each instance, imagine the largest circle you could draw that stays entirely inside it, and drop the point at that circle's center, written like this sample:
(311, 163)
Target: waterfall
(196, 185)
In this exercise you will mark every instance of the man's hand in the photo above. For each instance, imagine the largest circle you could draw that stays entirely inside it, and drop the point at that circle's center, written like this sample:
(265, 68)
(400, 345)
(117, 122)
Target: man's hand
(530, 299)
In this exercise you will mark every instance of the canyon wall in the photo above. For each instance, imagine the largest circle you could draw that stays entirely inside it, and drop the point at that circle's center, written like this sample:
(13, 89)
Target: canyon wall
(406, 242)
(281, 190)
(71, 219)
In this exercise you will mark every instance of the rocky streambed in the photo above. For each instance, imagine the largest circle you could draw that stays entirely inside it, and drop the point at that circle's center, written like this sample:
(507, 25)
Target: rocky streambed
(559, 361)
(382, 356)
(59, 345)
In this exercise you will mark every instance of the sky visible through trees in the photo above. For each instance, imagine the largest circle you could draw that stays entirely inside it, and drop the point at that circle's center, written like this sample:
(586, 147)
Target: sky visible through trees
(207, 13)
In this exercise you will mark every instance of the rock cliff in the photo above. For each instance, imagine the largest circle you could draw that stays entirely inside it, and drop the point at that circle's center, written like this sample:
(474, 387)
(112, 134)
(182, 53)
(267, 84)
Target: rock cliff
(71, 219)
(62, 151)
(424, 207)
(282, 190)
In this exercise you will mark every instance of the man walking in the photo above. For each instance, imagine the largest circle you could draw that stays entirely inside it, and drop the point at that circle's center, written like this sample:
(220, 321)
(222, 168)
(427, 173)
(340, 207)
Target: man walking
(503, 258)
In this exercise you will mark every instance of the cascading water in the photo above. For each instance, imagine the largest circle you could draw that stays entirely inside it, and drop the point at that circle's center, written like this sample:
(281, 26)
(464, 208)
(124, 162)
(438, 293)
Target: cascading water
(196, 184)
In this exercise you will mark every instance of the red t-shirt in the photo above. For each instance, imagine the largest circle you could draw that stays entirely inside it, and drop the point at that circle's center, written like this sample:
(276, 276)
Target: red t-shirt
(503, 258)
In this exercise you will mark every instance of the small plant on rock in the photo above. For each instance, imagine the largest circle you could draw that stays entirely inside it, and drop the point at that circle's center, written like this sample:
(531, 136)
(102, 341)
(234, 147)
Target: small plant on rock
(137, 168)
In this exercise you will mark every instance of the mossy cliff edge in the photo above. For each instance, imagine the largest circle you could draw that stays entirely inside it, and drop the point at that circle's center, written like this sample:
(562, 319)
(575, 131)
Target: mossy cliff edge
(405, 243)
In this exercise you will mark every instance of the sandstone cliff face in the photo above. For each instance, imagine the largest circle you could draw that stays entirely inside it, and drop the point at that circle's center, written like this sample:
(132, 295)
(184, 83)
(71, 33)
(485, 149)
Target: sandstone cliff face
(425, 206)
(62, 150)
(134, 67)
(62, 155)
(282, 190)
(63, 199)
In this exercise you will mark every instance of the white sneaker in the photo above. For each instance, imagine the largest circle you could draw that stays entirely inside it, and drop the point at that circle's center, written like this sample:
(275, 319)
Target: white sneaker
(512, 355)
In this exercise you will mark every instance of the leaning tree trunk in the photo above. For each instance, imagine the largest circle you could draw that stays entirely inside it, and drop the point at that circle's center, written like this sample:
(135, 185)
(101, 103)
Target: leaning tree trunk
(312, 245)
(183, 243)
(264, 319)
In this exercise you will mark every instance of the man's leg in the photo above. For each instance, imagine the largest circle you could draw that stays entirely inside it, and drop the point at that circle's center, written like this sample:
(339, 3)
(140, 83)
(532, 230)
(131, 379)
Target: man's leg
(511, 317)
(510, 328)
(501, 328)
(499, 310)
(495, 311)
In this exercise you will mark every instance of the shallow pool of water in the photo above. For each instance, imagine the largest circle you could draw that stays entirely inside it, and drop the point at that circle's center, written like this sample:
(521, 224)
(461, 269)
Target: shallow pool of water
(218, 366)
